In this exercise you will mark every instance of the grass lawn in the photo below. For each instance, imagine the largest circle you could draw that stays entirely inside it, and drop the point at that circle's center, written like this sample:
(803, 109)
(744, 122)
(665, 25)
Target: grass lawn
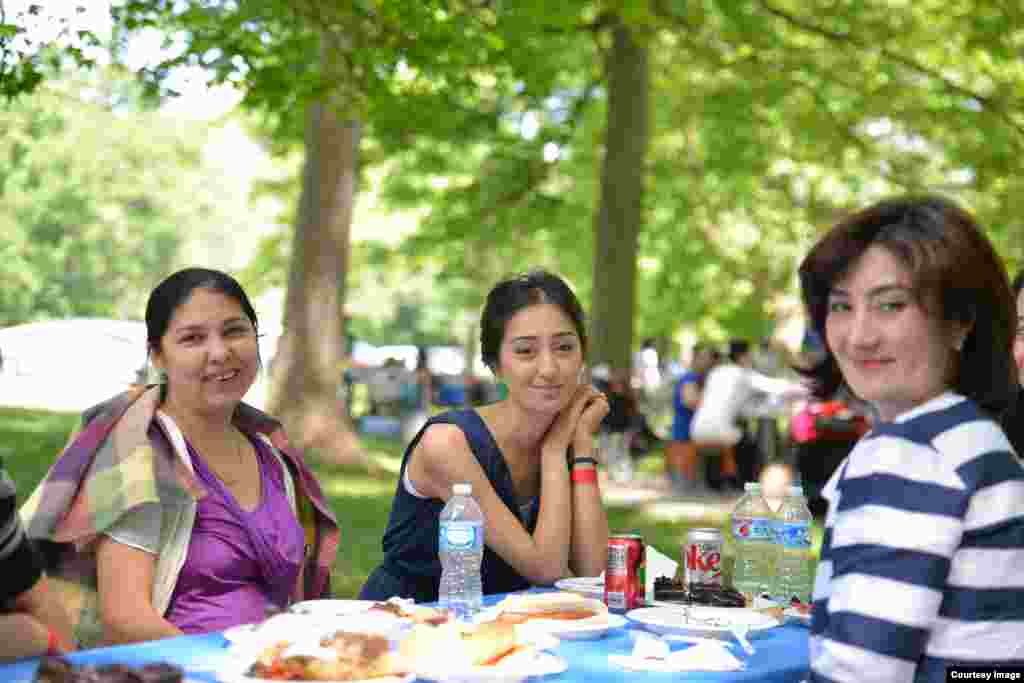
(31, 440)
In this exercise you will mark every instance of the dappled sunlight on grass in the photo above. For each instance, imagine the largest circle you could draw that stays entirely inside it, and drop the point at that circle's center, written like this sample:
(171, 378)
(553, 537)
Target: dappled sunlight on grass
(30, 442)
(356, 487)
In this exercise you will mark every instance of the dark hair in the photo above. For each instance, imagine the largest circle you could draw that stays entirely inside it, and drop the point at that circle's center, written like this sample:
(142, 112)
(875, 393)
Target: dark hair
(738, 347)
(1018, 282)
(512, 295)
(957, 277)
(176, 290)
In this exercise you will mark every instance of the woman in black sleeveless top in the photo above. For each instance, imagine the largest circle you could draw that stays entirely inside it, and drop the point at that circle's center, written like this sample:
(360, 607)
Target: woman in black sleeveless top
(529, 457)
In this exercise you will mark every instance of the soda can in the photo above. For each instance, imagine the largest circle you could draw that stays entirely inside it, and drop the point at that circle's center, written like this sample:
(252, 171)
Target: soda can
(702, 557)
(624, 572)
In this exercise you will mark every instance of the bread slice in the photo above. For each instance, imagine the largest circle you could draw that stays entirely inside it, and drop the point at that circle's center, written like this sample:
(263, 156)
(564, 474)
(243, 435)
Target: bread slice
(552, 606)
(456, 646)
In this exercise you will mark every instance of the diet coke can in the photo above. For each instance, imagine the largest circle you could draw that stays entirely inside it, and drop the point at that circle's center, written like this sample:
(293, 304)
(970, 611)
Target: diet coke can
(702, 557)
(624, 572)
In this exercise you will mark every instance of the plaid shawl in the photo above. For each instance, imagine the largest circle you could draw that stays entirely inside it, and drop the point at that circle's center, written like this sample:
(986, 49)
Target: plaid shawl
(121, 458)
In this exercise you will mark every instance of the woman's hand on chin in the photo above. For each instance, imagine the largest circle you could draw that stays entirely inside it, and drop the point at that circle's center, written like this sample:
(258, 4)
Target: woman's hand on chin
(562, 431)
(595, 409)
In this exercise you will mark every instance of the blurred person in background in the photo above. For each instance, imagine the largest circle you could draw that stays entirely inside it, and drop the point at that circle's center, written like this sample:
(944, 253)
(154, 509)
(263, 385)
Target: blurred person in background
(647, 366)
(529, 458)
(178, 508)
(619, 427)
(681, 453)
(422, 391)
(921, 560)
(730, 391)
(33, 622)
(776, 478)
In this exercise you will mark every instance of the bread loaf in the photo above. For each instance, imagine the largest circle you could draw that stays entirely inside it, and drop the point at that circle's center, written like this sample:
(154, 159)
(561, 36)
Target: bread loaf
(456, 646)
(552, 606)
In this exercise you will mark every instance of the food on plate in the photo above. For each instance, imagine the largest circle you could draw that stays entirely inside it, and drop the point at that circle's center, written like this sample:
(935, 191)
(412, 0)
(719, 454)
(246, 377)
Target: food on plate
(457, 646)
(674, 590)
(775, 611)
(801, 608)
(561, 606)
(60, 670)
(418, 614)
(341, 656)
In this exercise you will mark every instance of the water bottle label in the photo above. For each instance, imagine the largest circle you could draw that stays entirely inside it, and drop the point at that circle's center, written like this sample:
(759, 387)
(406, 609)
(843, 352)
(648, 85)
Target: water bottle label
(753, 530)
(795, 535)
(459, 536)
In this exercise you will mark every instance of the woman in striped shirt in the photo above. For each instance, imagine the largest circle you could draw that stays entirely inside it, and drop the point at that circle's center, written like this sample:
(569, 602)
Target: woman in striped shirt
(922, 563)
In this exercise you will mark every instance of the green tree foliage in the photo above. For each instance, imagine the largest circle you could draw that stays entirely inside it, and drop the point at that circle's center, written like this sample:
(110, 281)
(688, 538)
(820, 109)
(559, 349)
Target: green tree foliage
(26, 56)
(96, 197)
(769, 120)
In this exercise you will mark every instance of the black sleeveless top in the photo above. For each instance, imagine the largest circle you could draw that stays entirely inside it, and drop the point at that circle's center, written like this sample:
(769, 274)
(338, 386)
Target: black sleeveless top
(411, 568)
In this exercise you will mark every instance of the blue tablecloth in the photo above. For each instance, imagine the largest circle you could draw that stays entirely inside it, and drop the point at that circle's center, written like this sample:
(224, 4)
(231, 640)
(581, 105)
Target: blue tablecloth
(781, 657)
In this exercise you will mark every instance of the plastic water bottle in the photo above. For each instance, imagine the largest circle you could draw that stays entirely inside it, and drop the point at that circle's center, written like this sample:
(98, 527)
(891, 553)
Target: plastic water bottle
(795, 573)
(461, 549)
(753, 536)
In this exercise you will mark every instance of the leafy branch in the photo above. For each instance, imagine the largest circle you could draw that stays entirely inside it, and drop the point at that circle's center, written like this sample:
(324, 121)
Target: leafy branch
(848, 38)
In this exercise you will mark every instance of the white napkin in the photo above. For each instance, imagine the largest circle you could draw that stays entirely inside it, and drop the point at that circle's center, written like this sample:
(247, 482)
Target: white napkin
(658, 564)
(653, 654)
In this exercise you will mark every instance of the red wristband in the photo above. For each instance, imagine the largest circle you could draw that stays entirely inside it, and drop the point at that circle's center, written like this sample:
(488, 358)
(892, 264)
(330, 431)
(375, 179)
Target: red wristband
(53, 646)
(583, 475)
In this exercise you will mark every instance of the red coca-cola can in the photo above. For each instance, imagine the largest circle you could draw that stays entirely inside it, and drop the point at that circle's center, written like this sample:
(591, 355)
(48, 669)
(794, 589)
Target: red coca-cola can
(702, 557)
(624, 572)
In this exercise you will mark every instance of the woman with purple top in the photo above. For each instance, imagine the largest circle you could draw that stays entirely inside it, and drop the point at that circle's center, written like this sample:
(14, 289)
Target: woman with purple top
(178, 508)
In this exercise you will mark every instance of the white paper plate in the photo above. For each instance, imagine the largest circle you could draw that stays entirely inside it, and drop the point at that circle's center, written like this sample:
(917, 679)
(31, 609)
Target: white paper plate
(331, 608)
(249, 640)
(708, 621)
(587, 586)
(578, 629)
(241, 655)
(243, 678)
(515, 667)
(283, 626)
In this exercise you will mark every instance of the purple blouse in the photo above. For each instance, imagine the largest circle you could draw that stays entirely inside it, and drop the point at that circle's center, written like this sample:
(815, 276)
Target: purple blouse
(239, 563)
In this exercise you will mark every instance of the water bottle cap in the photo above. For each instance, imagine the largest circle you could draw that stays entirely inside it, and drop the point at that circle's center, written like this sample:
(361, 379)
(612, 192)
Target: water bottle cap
(462, 489)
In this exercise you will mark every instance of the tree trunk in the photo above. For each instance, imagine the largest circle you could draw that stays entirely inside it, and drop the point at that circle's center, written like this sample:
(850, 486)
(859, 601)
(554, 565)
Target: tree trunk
(620, 213)
(308, 368)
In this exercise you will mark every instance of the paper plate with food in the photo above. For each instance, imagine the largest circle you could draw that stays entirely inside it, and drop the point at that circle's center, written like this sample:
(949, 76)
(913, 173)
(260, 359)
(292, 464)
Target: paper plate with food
(798, 611)
(331, 608)
(587, 586)
(701, 620)
(398, 608)
(280, 626)
(563, 615)
(285, 626)
(487, 652)
(329, 657)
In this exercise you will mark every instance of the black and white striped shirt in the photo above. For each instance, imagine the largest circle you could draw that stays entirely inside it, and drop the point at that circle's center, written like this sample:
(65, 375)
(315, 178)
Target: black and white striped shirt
(922, 563)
